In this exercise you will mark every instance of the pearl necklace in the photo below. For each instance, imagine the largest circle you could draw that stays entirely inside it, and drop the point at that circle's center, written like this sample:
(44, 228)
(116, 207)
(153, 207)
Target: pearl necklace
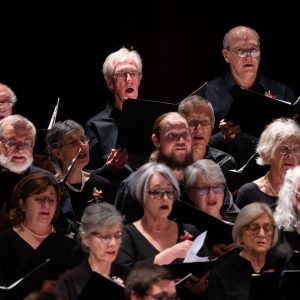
(269, 184)
(83, 181)
(36, 235)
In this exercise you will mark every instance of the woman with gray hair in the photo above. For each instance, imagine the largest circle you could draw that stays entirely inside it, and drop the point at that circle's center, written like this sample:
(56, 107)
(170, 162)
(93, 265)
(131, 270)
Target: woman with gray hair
(154, 237)
(67, 145)
(278, 147)
(254, 233)
(101, 234)
(287, 212)
(205, 186)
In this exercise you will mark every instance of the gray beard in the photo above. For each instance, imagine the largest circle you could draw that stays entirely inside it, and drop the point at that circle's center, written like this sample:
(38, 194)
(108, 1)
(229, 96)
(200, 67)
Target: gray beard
(13, 167)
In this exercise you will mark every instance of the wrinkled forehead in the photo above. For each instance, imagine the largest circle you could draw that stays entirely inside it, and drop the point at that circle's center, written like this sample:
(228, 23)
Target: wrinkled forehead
(126, 64)
(243, 36)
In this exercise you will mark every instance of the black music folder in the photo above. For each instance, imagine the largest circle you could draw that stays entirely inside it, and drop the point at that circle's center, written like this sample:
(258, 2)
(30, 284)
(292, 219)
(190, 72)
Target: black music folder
(253, 111)
(136, 125)
(33, 280)
(100, 287)
(218, 232)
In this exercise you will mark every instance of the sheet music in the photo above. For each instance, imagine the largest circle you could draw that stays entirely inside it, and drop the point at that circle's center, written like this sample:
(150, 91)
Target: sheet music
(197, 245)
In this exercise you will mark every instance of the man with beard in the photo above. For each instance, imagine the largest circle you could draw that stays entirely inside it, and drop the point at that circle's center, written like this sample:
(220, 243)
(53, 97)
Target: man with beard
(173, 143)
(7, 101)
(17, 137)
(122, 72)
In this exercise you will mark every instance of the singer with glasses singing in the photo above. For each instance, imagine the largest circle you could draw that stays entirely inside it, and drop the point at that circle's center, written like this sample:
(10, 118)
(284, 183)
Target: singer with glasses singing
(155, 238)
(205, 186)
(279, 148)
(101, 235)
(242, 54)
(68, 151)
(254, 233)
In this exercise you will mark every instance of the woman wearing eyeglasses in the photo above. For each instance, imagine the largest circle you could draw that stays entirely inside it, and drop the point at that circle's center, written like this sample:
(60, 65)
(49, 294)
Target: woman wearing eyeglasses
(100, 233)
(155, 238)
(255, 233)
(68, 150)
(278, 147)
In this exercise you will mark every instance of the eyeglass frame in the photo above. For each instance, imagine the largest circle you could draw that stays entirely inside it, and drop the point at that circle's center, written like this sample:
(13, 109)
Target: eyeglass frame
(160, 194)
(244, 53)
(6, 145)
(209, 188)
(6, 104)
(85, 140)
(256, 230)
(124, 74)
(289, 149)
(107, 237)
(199, 122)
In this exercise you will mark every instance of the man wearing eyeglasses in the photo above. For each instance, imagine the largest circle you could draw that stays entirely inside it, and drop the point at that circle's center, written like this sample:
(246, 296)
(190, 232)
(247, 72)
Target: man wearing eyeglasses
(241, 51)
(123, 73)
(7, 101)
(17, 137)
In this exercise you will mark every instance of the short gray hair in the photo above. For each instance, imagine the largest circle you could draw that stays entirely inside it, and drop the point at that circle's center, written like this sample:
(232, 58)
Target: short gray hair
(12, 95)
(120, 55)
(196, 102)
(247, 214)
(139, 184)
(98, 215)
(226, 39)
(206, 168)
(273, 135)
(18, 120)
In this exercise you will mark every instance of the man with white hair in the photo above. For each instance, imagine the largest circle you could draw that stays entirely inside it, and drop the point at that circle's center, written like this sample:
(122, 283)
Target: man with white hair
(17, 138)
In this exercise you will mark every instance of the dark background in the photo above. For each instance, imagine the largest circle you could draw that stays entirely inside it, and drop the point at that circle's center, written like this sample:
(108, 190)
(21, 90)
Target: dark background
(56, 49)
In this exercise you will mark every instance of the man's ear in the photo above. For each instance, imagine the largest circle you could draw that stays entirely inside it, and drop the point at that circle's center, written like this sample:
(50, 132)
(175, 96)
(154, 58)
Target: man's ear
(155, 141)
(110, 85)
(225, 55)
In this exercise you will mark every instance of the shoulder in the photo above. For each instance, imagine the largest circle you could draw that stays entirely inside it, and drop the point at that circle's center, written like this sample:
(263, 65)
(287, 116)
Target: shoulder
(250, 186)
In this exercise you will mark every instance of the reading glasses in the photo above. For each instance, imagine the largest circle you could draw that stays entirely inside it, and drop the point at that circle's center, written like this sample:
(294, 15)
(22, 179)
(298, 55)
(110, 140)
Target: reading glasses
(124, 74)
(205, 189)
(76, 143)
(285, 149)
(255, 228)
(107, 237)
(6, 104)
(196, 123)
(254, 52)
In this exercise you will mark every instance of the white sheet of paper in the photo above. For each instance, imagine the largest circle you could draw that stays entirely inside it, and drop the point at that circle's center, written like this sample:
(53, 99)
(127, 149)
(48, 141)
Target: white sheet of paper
(192, 253)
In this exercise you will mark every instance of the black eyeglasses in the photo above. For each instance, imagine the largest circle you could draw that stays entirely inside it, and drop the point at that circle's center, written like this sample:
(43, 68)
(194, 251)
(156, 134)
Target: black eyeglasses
(205, 189)
(124, 74)
(254, 52)
(159, 194)
(255, 228)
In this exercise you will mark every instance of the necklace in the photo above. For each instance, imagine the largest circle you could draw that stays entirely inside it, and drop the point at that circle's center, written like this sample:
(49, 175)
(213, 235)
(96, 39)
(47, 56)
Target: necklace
(36, 235)
(269, 184)
(82, 184)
